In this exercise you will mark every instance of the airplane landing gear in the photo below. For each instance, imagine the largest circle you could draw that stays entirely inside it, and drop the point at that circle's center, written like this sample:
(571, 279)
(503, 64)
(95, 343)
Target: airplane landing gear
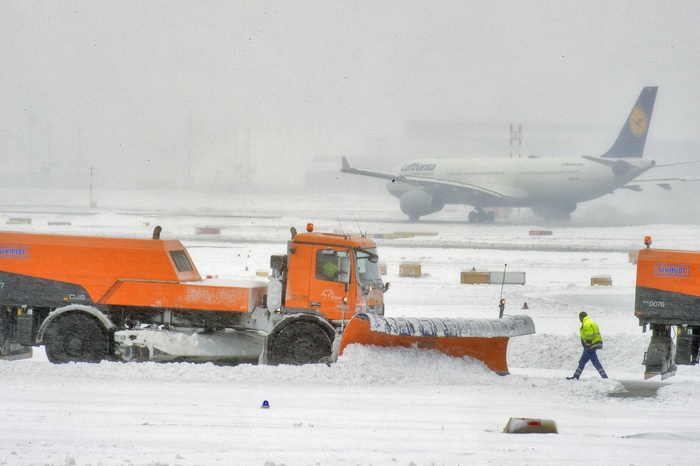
(482, 216)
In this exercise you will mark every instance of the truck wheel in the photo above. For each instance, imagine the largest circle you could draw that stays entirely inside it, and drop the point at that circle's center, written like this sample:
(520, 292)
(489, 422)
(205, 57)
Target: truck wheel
(76, 337)
(299, 342)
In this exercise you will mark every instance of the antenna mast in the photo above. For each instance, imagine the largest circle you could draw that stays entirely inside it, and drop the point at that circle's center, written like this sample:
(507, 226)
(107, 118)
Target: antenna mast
(342, 230)
(516, 135)
(364, 235)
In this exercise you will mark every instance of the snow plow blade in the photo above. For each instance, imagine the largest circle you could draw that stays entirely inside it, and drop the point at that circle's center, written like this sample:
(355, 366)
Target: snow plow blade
(482, 339)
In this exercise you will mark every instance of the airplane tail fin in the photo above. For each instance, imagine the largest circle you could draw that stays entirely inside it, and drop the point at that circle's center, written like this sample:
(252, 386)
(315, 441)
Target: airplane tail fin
(630, 142)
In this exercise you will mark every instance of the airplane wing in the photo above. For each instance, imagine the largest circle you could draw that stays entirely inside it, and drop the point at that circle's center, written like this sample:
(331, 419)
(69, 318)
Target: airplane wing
(664, 183)
(445, 188)
(620, 166)
(346, 168)
(677, 163)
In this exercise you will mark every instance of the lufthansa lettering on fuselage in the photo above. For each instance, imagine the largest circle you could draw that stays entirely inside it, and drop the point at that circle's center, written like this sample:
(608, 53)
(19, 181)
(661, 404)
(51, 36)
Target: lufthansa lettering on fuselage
(418, 167)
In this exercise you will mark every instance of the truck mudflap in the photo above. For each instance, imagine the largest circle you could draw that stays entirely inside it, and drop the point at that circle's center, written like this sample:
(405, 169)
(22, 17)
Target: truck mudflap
(482, 339)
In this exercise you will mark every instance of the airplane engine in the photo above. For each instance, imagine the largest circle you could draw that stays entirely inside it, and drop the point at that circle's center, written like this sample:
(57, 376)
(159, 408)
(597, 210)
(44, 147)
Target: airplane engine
(418, 203)
(554, 210)
(621, 167)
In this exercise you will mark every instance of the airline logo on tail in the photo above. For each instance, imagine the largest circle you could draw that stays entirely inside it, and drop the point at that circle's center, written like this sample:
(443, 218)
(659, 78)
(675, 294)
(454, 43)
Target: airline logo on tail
(638, 121)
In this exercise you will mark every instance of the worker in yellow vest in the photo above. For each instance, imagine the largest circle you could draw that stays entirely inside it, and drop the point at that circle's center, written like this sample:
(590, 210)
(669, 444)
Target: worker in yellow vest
(592, 341)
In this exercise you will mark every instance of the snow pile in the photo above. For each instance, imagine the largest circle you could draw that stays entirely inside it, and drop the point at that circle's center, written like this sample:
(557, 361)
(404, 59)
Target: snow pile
(359, 365)
(387, 366)
(621, 351)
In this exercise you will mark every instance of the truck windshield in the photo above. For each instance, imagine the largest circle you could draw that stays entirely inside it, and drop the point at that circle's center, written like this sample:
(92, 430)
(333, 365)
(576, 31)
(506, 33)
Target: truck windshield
(368, 267)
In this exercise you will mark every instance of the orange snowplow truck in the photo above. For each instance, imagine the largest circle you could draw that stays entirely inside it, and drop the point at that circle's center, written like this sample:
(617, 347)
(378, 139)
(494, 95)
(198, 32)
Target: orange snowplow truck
(667, 299)
(87, 299)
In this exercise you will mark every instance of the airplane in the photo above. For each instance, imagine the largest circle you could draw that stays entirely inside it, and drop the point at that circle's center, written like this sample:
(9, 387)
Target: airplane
(551, 187)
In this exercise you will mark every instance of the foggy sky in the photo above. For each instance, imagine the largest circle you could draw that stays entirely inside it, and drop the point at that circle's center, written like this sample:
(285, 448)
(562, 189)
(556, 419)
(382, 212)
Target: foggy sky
(190, 93)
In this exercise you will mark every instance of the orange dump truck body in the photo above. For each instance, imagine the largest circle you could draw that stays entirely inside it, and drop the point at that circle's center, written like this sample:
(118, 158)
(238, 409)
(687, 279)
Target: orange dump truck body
(58, 270)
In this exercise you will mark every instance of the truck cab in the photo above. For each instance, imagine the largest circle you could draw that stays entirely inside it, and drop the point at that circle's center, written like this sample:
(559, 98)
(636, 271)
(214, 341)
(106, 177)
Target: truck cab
(334, 275)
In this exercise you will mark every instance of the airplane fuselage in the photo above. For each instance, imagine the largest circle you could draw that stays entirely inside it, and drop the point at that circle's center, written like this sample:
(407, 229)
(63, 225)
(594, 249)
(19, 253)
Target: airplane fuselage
(519, 182)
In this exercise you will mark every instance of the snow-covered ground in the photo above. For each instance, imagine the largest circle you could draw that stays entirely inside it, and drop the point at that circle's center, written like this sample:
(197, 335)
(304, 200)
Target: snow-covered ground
(374, 406)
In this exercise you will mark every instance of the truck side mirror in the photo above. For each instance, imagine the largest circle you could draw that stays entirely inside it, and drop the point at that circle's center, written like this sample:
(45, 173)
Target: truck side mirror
(344, 270)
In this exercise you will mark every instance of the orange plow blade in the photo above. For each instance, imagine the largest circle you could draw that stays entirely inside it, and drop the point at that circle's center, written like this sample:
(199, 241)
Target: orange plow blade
(482, 339)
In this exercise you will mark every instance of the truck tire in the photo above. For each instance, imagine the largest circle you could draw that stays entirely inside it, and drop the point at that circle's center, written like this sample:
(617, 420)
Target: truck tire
(76, 337)
(299, 341)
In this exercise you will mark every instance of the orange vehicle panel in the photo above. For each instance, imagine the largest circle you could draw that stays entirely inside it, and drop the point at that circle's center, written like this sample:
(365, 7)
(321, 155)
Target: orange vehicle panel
(328, 239)
(200, 296)
(491, 351)
(297, 293)
(673, 271)
(94, 263)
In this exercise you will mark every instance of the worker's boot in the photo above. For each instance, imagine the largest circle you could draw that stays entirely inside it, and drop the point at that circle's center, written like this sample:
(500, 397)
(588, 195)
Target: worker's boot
(577, 374)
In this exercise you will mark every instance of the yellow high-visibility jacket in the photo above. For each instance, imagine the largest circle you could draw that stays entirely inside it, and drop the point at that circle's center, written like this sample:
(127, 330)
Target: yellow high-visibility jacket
(590, 335)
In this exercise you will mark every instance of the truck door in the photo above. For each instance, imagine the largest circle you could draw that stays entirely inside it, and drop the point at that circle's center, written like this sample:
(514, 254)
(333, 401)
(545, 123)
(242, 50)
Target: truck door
(328, 286)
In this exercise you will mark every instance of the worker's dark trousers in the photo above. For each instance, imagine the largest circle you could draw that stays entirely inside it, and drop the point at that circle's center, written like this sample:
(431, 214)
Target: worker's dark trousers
(589, 355)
